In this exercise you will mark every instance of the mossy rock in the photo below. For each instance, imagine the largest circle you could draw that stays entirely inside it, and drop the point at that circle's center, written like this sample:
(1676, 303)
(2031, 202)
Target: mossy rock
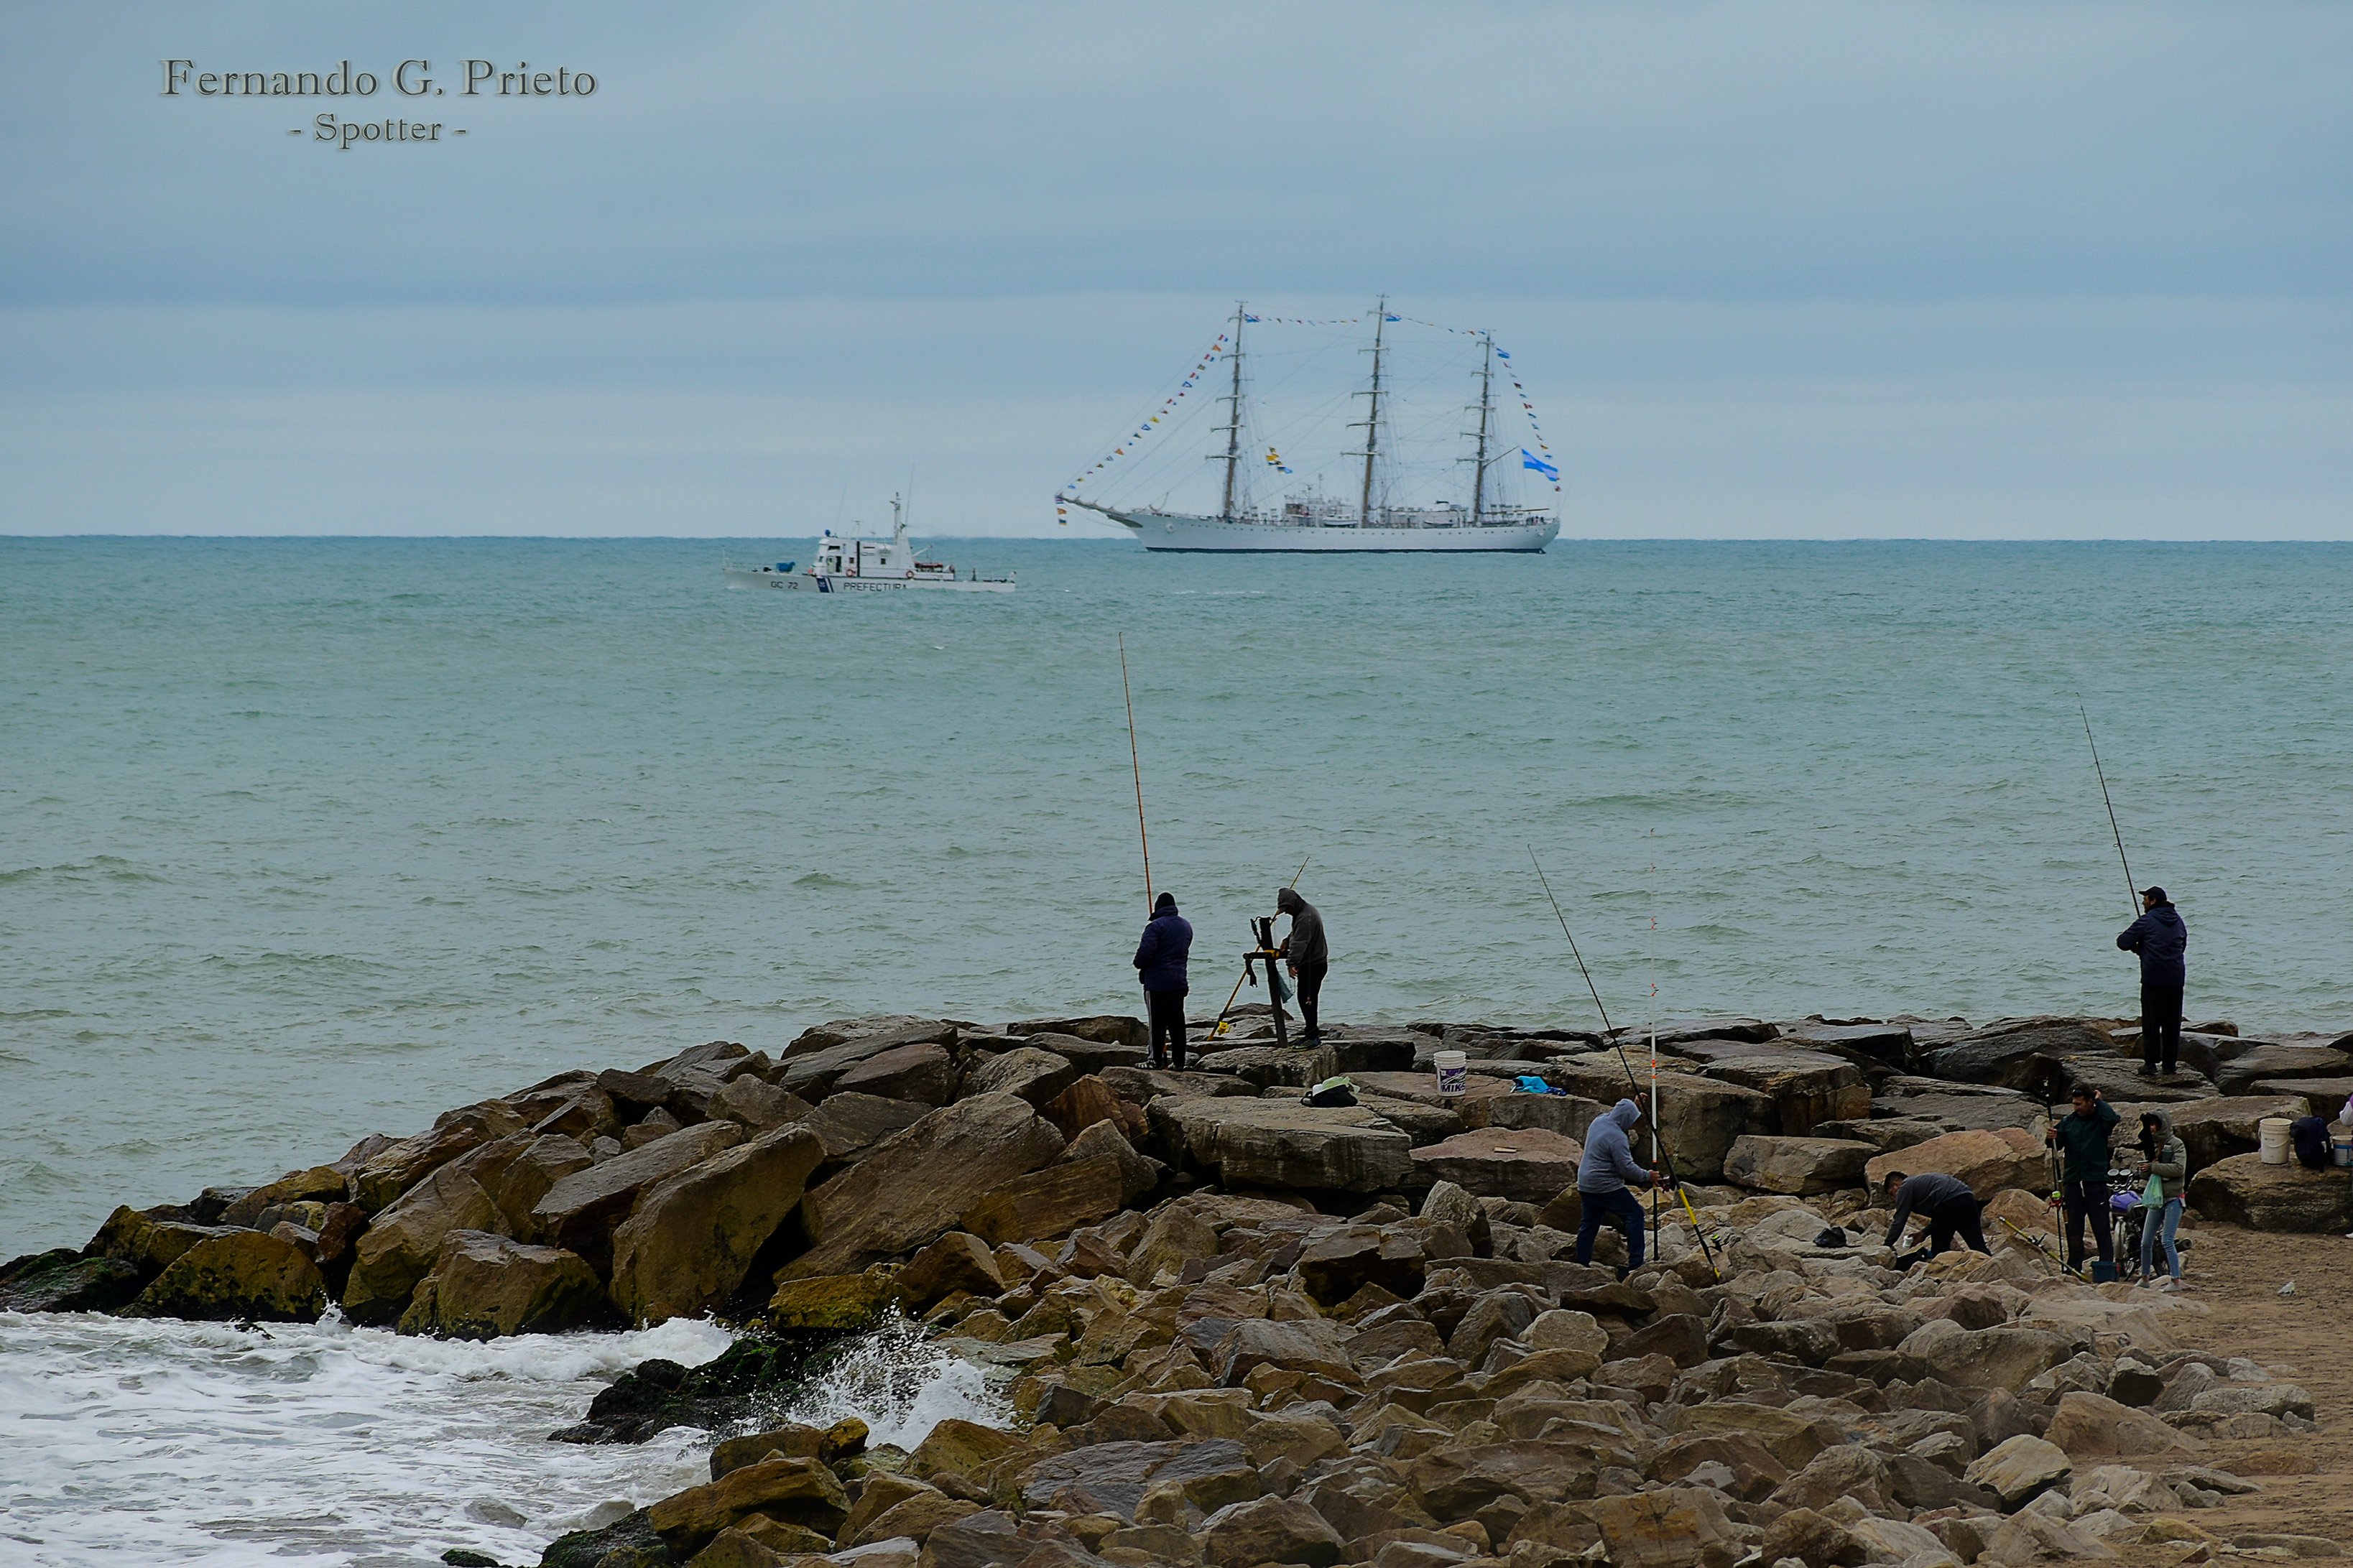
(834, 1303)
(63, 1280)
(244, 1276)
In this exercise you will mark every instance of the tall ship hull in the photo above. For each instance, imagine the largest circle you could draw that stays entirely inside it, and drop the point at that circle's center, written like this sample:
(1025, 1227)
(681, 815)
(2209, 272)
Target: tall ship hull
(1420, 474)
(1164, 531)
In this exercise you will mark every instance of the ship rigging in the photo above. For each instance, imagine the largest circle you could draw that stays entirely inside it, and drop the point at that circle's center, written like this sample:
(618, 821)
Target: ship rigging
(1390, 496)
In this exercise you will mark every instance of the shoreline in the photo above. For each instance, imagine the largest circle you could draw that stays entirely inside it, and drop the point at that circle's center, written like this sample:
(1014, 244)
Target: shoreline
(1197, 1269)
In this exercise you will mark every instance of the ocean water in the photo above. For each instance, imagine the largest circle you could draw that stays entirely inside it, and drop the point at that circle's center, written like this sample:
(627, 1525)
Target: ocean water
(305, 840)
(127, 1441)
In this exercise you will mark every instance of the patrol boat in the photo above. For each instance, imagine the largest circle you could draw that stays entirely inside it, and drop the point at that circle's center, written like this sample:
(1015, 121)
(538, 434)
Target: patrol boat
(853, 565)
(1392, 493)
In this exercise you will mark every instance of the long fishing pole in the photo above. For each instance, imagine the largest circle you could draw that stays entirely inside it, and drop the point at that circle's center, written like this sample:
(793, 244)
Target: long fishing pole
(1220, 1027)
(2132, 888)
(1135, 761)
(1666, 1155)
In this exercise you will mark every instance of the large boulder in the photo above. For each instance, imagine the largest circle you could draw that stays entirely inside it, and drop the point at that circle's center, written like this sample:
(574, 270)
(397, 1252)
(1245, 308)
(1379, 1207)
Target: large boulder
(1807, 1088)
(1269, 1530)
(2214, 1130)
(2020, 1053)
(2242, 1190)
(2248, 1069)
(2089, 1427)
(1986, 1161)
(1103, 1028)
(1528, 1165)
(394, 1169)
(580, 1211)
(320, 1184)
(1668, 1527)
(915, 1184)
(923, 1073)
(1796, 1167)
(148, 1242)
(690, 1241)
(756, 1105)
(1035, 1076)
(2324, 1097)
(398, 1249)
(2019, 1468)
(850, 1124)
(63, 1280)
(484, 1286)
(1874, 1048)
(1283, 1143)
(1981, 1358)
(1052, 1202)
(244, 1276)
(792, 1491)
(1700, 1119)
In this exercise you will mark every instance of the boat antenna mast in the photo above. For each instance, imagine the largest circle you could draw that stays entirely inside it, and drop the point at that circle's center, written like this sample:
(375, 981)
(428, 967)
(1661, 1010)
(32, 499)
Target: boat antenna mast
(1233, 426)
(1373, 412)
(1486, 415)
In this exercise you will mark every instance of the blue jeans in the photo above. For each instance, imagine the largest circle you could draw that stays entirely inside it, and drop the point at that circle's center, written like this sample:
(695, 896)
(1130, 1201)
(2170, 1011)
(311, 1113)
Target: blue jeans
(1621, 1209)
(2150, 1227)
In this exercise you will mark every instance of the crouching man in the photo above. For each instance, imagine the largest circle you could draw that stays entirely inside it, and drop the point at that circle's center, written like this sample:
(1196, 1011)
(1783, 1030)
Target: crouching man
(1945, 1201)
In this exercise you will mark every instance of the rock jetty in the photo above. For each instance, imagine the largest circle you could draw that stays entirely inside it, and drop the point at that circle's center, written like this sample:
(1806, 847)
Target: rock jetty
(1240, 1329)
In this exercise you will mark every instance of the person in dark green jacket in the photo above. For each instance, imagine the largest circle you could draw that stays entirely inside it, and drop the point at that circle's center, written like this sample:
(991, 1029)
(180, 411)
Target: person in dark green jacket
(2082, 1137)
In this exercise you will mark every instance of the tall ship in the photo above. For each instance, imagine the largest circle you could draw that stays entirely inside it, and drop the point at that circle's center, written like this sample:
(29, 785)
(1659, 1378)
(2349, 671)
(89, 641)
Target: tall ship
(1419, 470)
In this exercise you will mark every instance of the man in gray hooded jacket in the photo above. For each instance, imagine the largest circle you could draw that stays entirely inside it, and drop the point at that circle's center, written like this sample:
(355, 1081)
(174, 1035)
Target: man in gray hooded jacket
(1603, 1176)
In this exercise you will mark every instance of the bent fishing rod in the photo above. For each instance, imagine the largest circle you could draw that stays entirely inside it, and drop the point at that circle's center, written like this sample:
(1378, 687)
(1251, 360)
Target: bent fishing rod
(2132, 888)
(1666, 1155)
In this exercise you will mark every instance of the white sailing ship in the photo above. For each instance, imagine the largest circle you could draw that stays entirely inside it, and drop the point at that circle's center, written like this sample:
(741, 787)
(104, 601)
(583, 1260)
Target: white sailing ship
(854, 565)
(1368, 514)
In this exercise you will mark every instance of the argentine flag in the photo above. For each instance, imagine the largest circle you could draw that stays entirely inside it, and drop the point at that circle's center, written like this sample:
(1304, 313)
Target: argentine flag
(1530, 460)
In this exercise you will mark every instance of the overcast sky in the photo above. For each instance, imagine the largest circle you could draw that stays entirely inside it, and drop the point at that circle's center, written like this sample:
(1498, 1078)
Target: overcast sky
(1978, 271)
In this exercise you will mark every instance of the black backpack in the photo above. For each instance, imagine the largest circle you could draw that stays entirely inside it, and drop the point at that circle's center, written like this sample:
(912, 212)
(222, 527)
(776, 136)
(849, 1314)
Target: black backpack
(2310, 1134)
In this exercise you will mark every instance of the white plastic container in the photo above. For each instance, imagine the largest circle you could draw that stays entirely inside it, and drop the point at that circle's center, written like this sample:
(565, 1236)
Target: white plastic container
(2340, 1149)
(2272, 1139)
(1453, 1071)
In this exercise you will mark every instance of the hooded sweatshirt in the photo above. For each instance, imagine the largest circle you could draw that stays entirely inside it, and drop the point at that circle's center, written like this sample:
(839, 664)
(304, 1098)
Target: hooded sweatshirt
(1609, 1163)
(1304, 944)
(2161, 940)
(2171, 1162)
(1160, 956)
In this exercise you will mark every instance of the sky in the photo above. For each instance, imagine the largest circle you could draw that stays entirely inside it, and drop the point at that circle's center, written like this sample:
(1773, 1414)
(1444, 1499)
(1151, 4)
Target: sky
(1798, 271)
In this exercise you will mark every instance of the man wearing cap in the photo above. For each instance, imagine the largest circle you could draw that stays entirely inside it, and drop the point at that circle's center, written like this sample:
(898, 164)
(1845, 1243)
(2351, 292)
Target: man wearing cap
(2160, 939)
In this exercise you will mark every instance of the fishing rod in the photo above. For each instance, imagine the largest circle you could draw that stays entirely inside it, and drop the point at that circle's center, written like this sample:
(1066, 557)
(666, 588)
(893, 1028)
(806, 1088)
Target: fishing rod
(2132, 888)
(1135, 761)
(1666, 1155)
(1223, 1022)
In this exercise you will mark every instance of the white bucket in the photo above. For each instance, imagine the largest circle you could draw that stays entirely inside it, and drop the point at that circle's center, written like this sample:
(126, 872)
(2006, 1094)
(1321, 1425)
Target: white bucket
(2272, 1139)
(1453, 1071)
(2340, 1149)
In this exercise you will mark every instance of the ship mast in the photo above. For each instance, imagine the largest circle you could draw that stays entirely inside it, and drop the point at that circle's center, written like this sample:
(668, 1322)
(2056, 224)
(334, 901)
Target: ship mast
(1486, 413)
(1233, 426)
(1373, 412)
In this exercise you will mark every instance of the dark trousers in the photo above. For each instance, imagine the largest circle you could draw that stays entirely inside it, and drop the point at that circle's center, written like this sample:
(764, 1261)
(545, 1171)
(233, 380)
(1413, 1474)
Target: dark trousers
(1621, 1209)
(2089, 1198)
(1165, 1009)
(1311, 986)
(1961, 1218)
(2160, 1023)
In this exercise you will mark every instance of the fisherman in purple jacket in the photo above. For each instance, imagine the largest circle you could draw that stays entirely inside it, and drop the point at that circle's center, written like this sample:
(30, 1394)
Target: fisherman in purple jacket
(2161, 940)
